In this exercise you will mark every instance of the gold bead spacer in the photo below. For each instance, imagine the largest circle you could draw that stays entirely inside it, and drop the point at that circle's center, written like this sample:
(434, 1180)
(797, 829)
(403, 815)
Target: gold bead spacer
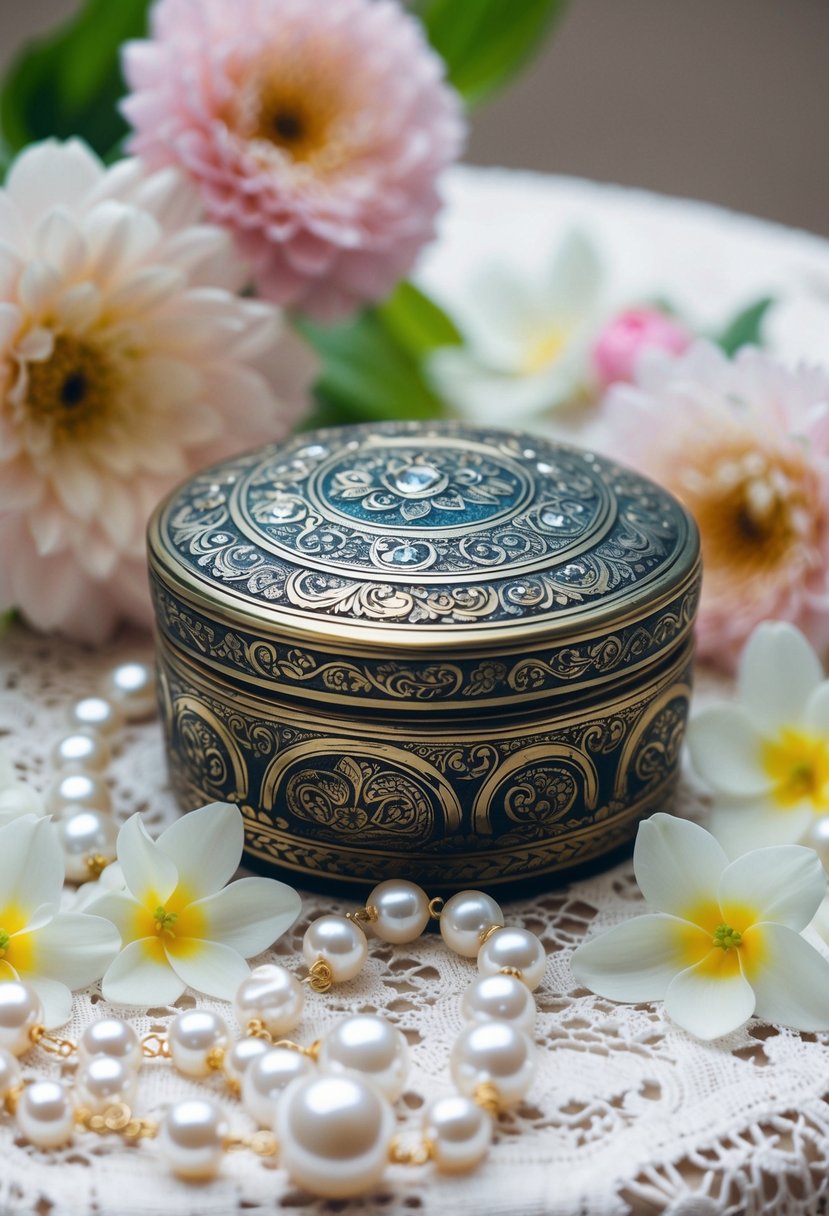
(117, 1119)
(363, 916)
(487, 933)
(215, 1059)
(436, 907)
(410, 1154)
(263, 1143)
(320, 977)
(487, 1097)
(519, 975)
(97, 863)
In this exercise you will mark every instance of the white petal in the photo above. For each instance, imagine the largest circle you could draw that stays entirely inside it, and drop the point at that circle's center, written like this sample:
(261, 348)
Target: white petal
(31, 864)
(727, 750)
(250, 914)
(816, 715)
(141, 976)
(205, 846)
(207, 967)
(55, 998)
(151, 876)
(18, 799)
(778, 671)
(677, 864)
(711, 999)
(50, 172)
(575, 275)
(784, 885)
(749, 825)
(634, 961)
(125, 913)
(792, 984)
(75, 948)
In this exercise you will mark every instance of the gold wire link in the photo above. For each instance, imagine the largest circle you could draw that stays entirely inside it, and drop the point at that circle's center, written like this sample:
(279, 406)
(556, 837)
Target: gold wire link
(12, 1097)
(256, 1029)
(487, 933)
(215, 1059)
(40, 1037)
(363, 916)
(487, 1097)
(311, 1052)
(97, 863)
(155, 1046)
(401, 1153)
(519, 975)
(320, 977)
(263, 1143)
(117, 1120)
(436, 907)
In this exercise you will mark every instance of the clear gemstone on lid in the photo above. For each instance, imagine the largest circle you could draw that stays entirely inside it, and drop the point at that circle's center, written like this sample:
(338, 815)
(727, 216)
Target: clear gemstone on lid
(551, 518)
(404, 555)
(416, 478)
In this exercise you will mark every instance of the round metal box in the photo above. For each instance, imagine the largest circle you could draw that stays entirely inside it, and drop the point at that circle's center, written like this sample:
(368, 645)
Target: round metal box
(459, 655)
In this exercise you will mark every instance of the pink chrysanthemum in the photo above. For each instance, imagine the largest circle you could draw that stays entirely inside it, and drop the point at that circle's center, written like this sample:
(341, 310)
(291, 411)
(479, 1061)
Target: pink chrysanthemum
(315, 130)
(745, 444)
(126, 361)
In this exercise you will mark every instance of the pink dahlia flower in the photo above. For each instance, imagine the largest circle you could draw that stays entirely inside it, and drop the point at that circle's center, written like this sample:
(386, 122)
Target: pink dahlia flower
(315, 130)
(623, 340)
(126, 361)
(744, 443)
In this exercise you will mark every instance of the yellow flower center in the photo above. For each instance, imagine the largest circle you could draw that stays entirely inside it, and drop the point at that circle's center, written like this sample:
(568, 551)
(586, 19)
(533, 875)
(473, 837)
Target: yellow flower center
(164, 922)
(5, 938)
(726, 938)
(797, 763)
(72, 391)
(543, 349)
(16, 948)
(721, 940)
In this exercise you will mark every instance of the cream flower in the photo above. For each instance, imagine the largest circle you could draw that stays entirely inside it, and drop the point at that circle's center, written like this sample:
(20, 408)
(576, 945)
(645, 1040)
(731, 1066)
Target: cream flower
(126, 361)
(766, 758)
(744, 443)
(16, 797)
(178, 926)
(723, 942)
(526, 342)
(54, 952)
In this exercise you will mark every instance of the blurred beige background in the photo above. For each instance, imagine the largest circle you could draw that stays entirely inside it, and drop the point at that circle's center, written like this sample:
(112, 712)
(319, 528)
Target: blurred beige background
(726, 100)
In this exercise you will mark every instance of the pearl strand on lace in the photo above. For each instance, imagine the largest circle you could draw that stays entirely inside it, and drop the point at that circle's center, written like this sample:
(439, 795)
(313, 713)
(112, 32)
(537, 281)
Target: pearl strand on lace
(78, 797)
(326, 1107)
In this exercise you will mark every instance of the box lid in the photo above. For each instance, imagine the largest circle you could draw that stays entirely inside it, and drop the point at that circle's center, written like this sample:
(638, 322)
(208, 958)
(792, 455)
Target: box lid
(416, 543)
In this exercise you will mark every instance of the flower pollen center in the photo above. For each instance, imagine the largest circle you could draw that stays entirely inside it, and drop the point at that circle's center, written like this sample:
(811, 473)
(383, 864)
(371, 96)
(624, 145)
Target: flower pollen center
(5, 938)
(725, 937)
(72, 391)
(797, 764)
(543, 349)
(164, 921)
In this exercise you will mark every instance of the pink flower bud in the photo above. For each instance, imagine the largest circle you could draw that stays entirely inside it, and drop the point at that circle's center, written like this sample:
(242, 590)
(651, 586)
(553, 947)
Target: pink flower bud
(620, 344)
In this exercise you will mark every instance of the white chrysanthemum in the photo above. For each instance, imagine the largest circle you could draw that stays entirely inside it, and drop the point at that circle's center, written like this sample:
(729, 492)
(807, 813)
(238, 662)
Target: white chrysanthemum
(126, 360)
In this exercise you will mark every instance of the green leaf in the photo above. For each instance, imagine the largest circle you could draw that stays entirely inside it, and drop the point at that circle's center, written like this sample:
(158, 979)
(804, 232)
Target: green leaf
(746, 328)
(69, 83)
(372, 365)
(485, 42)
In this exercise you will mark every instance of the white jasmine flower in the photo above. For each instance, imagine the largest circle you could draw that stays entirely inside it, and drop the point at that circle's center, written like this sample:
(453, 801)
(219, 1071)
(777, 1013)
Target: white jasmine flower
(16, 797)
(723, 941)
(766, 758)
(526, 342)
(52, 951)
(178, 926)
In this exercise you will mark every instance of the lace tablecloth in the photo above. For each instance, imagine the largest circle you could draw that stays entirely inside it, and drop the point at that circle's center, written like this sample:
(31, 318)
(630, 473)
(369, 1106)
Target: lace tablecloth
(628, 1114)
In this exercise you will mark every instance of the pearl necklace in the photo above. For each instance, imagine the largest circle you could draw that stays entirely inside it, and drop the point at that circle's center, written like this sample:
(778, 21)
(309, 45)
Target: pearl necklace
(326, 1108)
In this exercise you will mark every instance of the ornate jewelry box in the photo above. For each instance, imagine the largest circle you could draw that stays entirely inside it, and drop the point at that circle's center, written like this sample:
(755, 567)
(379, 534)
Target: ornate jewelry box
(458, 655)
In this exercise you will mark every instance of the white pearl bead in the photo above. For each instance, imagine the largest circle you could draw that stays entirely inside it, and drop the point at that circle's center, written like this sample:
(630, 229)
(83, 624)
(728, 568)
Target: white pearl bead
(82, 749)
(517, 949)
(111, 1037)
(20, 1012)
(73, 791)
(267, 1079)
(239, 1059)
(192, 1036)
(9, 1073)
(402, 911)
(459, 1131)
(131, 686)
(45, 1114)
(495, 1053)
(96, 713)
(83, 835)
(103, 1081)
(371, 1046)
(338, 941)
(272, 996)
(334, 1135)
(465, 918)
(499, 998)
(191, 1138)
(817, 838)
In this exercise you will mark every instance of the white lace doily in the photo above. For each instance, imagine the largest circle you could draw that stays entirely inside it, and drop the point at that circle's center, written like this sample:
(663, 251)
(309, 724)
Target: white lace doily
(628, 1114)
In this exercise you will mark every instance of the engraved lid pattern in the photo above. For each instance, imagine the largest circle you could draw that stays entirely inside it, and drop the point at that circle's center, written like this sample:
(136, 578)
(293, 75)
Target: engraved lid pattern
(350, 531)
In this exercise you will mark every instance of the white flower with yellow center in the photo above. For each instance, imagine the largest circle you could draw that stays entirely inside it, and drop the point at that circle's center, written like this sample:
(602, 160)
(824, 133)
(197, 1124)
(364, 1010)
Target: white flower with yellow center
(766, 757)
(16, 797)
(180, 926)
(526, 341)
(723, 941)
(54, 952)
